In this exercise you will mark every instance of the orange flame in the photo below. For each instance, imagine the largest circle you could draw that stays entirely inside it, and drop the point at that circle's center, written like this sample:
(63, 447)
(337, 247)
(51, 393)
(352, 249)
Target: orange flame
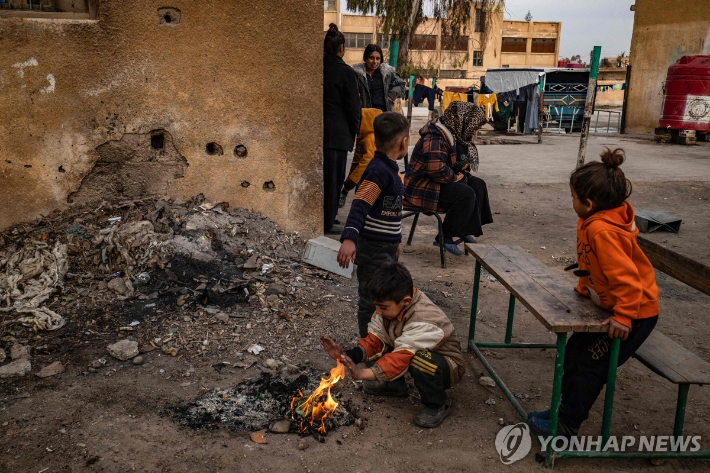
(320, 404)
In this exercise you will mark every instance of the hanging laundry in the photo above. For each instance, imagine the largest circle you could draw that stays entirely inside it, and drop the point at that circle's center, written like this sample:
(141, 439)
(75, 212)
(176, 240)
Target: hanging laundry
(487, 102)
(452, 97)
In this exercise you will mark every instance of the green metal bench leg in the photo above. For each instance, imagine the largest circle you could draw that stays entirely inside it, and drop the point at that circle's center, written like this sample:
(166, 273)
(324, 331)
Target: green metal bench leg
(556, 396)
(680, 409)
(511, 315)
(474, 306)
(610, 389)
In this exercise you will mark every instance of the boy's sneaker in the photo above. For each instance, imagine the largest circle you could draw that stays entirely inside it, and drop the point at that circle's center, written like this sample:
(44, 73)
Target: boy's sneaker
(540, 415)
(430, 417)
(541, 426)
(451, 248)
(390, 388)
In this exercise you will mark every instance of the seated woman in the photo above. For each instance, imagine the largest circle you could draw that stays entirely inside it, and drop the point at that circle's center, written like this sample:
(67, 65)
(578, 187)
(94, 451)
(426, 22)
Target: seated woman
(438, 174)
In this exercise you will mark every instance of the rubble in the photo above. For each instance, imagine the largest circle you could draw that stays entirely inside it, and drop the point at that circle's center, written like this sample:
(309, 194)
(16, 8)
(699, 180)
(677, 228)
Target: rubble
(123, 350)
(15, 368)
(51, 370)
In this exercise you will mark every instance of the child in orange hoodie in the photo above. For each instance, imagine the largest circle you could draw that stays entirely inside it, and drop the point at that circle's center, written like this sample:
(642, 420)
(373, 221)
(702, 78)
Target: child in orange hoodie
(616, 275)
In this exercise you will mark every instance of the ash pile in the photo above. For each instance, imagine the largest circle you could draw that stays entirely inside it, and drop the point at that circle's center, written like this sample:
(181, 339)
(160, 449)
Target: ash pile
(264, 403)
(189, 278)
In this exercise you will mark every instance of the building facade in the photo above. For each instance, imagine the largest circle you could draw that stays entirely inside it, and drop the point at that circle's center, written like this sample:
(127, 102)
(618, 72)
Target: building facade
(490, 41)
(129, 98)
(664, 31)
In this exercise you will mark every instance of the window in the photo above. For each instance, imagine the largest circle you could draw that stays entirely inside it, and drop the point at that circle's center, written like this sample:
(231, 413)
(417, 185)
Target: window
(383, 40)
(329, 5)
(357, 40)
(513, 45)
(448, 43)
(452, 74)
(477, 58)
(73, 9)
(424, 42)
(480, 21)
(542, 45)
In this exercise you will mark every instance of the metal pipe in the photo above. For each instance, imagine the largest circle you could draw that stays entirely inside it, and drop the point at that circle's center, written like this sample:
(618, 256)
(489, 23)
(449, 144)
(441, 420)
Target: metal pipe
(514, 345)
(511, 316)
(610, 389)
(595, 454)
(556, 396)
(500, 383)
(474, 304)
(680, 409)
(410, 100)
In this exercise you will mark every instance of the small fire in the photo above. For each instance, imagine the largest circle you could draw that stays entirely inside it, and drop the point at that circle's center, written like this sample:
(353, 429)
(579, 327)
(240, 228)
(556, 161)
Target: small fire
(314, 410)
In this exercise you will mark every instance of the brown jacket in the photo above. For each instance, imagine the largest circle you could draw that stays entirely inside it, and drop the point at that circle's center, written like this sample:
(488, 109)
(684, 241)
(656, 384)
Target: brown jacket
(422, 326)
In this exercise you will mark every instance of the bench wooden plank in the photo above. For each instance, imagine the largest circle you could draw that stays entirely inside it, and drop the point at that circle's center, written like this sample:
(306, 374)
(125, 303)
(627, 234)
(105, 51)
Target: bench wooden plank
(556, 312)
(666, 358)
(682, 268)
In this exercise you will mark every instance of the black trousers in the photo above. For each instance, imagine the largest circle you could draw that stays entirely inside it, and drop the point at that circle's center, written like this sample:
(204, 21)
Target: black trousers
(369, 255)
(587, 365)
(467, 207)
(334, 161)
(432, 377)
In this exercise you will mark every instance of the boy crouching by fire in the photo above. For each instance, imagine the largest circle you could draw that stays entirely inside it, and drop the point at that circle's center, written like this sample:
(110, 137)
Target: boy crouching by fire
(408, 332)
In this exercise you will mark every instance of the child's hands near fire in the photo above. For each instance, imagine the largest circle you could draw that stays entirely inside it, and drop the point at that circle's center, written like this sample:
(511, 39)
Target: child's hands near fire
(365, 374)
(333, 349)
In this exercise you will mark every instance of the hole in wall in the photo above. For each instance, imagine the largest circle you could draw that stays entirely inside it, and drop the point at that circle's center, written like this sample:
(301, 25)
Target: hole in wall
(169, 16)
(213, 149)
(245, 184)
(240, 151)
(269, 186)
(28, 166)
(157, 141)
(61, 169)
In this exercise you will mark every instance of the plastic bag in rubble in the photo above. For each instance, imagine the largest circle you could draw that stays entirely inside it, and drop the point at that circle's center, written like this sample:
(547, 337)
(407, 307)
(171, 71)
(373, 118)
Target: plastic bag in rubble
(29, 274)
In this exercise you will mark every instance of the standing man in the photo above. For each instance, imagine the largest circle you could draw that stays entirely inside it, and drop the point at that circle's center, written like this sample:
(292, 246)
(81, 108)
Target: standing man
(341, 121)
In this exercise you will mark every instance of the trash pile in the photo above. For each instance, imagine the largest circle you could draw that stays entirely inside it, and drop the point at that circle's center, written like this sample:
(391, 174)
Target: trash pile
(261, 404)
(188, 278)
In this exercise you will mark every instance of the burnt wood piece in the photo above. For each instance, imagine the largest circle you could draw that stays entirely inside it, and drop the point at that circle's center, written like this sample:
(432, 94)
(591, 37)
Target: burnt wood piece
(547, 293)
(677, 266)
(666, 358)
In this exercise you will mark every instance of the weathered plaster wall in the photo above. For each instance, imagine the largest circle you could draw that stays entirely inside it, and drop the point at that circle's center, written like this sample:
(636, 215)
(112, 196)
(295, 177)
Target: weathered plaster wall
(664, 31)
(234, 72)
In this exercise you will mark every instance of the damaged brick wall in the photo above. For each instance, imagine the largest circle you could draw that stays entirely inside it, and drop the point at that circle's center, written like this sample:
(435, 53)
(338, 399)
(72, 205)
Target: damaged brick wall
(235, 87)
(136, 166)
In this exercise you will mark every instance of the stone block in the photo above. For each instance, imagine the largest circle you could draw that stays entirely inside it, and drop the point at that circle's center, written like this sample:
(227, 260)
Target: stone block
(322, 252)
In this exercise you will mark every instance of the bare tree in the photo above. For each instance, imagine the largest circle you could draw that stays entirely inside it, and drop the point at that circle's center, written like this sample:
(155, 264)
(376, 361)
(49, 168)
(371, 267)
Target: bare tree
(401, 18)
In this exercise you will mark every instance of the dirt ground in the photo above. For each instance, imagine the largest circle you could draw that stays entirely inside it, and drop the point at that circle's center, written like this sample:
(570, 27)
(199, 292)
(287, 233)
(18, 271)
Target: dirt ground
(119, 418)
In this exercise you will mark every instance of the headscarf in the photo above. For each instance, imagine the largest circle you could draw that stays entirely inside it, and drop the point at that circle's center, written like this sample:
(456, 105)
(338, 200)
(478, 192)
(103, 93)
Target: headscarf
(462, 119)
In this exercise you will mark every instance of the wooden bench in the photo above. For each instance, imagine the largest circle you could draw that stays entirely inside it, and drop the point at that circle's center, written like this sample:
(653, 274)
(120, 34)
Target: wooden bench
(548, 295)
(659, 353)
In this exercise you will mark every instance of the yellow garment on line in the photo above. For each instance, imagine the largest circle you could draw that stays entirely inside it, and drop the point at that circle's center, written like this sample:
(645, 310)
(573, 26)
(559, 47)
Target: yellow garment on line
(452, 97)
(364, 147)
(487, 102)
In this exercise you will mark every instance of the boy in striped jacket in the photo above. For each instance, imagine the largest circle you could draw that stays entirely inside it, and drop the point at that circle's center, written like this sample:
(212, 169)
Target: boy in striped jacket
(373, 230)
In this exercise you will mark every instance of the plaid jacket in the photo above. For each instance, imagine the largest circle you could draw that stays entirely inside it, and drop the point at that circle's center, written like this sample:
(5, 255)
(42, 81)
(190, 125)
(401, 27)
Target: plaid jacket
(429, 167)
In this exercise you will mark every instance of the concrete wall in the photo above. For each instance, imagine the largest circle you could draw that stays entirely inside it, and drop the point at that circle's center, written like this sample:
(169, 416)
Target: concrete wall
(664, 31)
(81, 100)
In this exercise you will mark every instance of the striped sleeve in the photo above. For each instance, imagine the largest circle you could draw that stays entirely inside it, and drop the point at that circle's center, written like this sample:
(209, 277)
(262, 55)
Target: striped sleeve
(364, 199)
(368, 191)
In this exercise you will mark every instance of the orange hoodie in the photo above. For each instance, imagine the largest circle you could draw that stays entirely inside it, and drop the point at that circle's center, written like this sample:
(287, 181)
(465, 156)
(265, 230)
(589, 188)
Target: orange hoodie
(621, 279)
